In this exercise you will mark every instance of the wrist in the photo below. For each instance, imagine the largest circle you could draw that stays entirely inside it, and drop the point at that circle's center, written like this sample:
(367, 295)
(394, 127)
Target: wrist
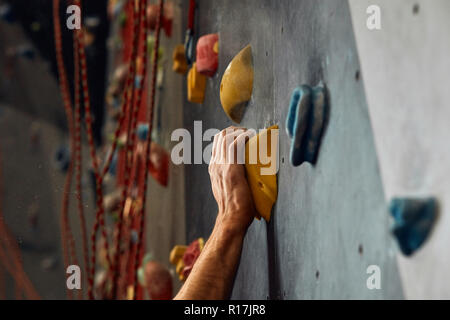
(228, 228)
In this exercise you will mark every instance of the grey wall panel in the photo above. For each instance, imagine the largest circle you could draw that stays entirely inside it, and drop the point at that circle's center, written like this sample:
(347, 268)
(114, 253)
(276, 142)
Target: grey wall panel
(330, 222)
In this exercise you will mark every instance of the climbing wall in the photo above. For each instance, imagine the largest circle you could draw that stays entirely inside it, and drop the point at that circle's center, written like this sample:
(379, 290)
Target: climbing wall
(330, 221)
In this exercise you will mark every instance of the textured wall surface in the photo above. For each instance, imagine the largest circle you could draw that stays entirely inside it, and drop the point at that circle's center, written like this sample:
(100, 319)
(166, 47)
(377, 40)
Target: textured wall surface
(406, 71)
(330, 222)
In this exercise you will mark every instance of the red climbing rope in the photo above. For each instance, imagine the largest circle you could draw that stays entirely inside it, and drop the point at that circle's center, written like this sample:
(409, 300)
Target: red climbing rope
(78, 156)
(99, 218)
(66, 233)
(191, 16)
(138, 15)
(141, 212)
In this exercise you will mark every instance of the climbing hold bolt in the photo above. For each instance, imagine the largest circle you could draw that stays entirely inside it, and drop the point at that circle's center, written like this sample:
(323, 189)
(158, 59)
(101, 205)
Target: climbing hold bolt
(261, 174)
(413, 221)
(179, 60)
(207, 58)
(305, 122)
(237, 84)
(196, 85)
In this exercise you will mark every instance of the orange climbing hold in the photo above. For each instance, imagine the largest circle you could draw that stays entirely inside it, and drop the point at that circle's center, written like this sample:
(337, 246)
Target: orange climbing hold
(196, 85)
(179, 60)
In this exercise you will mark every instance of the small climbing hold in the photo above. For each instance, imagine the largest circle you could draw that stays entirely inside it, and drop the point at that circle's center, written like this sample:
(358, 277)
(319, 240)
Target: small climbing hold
(142, 131)
(189, 46)
(263, 184)
(6, 13)
(184, 257)
(134, 236)
(237, 84)
(137, 81)
(176, 258)
(121, 141)
(35, 26)
(49, 263)
(112, 201)
(207, 58)
(179, 60)
(413, 221)
(24, 51)
(88, 38)
(305, 122)
(196, 85)
(92, 21)
(150, 48)
(113, 166)
(189, 37)
(159, 164)
(123, 19)
(155, 277)
(62, 158)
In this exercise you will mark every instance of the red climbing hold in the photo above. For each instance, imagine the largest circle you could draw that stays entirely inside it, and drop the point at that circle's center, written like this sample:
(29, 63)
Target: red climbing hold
(208, 54)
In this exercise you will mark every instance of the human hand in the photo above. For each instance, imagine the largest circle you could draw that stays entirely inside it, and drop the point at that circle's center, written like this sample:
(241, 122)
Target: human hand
(228, 181)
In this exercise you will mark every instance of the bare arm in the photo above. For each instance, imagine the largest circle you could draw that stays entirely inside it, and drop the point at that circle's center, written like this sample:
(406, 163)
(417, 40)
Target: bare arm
(213, 274)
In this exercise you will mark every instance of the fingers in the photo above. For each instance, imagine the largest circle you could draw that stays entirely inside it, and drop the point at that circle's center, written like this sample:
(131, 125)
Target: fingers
(221, 151)
(237, 148)
(228, 155)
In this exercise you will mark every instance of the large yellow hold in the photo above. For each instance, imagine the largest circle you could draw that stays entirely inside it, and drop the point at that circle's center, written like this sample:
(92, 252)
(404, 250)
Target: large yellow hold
(237, 84)
(263, 186)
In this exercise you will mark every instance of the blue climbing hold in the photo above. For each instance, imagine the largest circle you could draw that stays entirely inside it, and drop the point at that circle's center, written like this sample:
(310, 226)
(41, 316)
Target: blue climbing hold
(26, 51)
(62, 158)
(134, 236)
(413, 221)
(138, 81)
(305, 122)
(7, 14)
(113, 166)
(142, 131)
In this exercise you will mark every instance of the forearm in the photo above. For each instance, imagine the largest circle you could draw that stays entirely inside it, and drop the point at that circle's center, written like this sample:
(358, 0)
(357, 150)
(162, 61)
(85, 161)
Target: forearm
(213, 273)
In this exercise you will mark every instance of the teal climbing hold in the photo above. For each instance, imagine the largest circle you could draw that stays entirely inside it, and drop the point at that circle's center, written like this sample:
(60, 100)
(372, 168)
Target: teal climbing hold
(413, 221)
(305, 122)
(142, 131)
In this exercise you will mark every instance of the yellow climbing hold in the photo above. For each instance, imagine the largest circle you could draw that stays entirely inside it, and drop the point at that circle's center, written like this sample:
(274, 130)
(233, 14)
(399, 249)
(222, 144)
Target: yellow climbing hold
(196, 85)
(262, 171)
(177, 253)
(237, 84)
(179, 60)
